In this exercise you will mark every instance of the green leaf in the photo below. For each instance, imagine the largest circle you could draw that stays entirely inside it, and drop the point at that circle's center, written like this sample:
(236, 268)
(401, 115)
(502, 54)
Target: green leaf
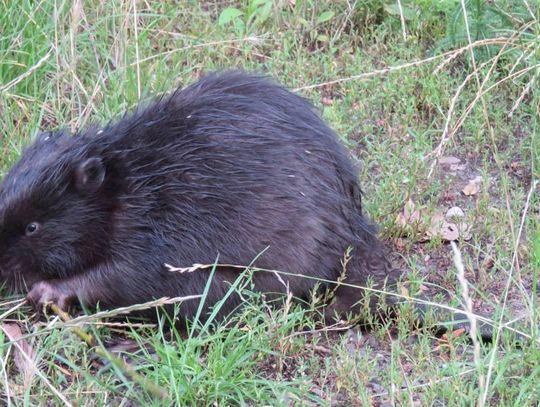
(393, 9)
(229, 14)
(323, 17)
(303, 21)
(322, 38)
(263, 12)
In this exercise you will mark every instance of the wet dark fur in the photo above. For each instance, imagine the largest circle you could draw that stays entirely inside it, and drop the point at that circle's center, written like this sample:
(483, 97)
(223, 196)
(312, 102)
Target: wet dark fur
(229, 166)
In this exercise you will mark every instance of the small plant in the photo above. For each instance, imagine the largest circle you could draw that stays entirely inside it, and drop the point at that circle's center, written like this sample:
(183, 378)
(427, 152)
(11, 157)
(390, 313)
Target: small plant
(484, 20)
(307, 17)
(310, 26)
(422, 17)
(245, 21)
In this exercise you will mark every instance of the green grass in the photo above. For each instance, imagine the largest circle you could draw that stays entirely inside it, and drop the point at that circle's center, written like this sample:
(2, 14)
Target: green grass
(70, 63)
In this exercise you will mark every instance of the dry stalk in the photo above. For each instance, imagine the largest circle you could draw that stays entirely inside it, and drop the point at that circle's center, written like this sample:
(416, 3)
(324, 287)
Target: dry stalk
(137, 58)
(402, 18)
(26, 74)
(458, 261)
(507, 289)
(384, 71)
(449, 134)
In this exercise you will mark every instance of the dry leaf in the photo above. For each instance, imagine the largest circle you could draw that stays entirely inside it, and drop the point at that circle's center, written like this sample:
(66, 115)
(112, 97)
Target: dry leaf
(472, 187)
(399, 243)
(24, 355)
(409, 215)
(515, 165)
(487, 264)
(459, 332)
(453, 163)
(465, 231)
(449, 160)
(447, 231)
(410, 211)
(454, 334)
(327, 101)
(454, 212)
(517, 168)
(404, 291)
(440, 228)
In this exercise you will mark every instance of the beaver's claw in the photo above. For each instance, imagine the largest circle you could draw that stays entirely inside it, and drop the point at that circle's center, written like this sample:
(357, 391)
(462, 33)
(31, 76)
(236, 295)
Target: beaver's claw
(44, 293)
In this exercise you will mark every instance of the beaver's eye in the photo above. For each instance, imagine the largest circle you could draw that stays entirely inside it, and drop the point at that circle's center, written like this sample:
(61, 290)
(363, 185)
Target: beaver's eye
(31, 228)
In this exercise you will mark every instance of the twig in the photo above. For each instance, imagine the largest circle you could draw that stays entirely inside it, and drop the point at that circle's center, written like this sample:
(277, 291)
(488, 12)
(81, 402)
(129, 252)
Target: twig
(402, 18)
(524, 92)
(21, 302)
(26, 74)
(160, 55)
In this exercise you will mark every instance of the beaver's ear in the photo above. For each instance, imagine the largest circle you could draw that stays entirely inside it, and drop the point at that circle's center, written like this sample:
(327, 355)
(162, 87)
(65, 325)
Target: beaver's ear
(89, 175)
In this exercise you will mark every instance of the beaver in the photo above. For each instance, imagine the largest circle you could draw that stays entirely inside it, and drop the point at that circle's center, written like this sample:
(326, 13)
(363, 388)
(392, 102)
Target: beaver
(234, 167)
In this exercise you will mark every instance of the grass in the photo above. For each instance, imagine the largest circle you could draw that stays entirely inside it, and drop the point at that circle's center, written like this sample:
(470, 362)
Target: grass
(71, 63)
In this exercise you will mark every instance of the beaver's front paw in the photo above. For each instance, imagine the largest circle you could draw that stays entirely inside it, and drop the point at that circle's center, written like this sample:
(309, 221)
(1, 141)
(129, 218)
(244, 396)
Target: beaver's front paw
(44, 293)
